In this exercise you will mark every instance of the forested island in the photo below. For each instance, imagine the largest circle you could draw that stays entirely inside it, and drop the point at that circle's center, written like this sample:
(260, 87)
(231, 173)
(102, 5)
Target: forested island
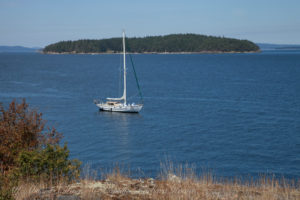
(174, 43)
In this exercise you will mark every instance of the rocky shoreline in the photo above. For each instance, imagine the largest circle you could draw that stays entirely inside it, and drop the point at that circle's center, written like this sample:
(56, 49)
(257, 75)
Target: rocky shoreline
(202, 52)
(118, 187)
(106, 189)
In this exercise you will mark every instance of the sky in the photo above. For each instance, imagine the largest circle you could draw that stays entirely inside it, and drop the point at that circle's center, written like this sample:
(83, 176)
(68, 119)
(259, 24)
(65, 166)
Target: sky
(37, 23)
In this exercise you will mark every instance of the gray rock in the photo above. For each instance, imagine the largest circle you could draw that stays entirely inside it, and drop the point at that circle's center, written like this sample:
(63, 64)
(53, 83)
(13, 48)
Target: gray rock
(68, 197)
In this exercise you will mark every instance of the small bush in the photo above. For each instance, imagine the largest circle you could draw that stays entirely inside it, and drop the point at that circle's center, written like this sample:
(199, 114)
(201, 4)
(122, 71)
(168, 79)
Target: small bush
(48, 164)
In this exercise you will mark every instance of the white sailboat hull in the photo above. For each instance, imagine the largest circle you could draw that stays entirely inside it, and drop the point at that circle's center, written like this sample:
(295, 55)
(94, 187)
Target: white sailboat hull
(129, 108)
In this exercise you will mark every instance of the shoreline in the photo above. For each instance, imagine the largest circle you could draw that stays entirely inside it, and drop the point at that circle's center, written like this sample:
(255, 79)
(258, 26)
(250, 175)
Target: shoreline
(117, 186)
(160, 53)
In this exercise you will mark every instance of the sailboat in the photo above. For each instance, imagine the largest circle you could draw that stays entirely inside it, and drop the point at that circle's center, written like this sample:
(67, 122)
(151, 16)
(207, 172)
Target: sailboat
(120, 104)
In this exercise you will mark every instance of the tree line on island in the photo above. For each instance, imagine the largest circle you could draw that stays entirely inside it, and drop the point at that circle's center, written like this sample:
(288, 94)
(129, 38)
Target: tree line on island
(174, 43)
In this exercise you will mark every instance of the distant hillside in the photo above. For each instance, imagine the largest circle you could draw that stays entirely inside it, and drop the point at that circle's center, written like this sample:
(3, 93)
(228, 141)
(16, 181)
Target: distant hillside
(265, 46)
(12, 49)
(174, 43)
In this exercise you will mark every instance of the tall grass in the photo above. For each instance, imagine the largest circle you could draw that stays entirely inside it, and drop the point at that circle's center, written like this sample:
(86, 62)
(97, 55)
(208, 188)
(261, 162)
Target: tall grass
(181, 182)
(174, 182)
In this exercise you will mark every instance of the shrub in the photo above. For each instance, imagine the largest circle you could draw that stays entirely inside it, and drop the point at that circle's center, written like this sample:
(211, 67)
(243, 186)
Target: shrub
(22, 129)
(27, 151)
(48, 164)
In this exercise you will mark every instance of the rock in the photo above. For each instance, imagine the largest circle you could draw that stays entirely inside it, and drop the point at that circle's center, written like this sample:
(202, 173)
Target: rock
(174, 178)
(68, 197)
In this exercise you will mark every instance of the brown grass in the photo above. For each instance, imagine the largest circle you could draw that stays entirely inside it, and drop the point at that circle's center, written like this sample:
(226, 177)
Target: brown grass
(178, 188)
(173, 183)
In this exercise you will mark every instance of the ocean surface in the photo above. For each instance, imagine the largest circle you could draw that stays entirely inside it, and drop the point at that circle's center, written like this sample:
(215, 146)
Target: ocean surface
(230, 114)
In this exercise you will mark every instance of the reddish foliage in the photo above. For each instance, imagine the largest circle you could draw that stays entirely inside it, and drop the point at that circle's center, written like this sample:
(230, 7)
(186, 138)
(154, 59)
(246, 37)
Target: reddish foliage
(22, 129)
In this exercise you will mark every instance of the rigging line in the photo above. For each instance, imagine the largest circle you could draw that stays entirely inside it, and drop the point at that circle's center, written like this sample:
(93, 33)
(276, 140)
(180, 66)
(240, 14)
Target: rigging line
(137, 82)
(132, 96)
(120, 76)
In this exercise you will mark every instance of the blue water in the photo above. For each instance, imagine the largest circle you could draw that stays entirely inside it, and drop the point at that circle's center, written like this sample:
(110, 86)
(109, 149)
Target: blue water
(232, 114)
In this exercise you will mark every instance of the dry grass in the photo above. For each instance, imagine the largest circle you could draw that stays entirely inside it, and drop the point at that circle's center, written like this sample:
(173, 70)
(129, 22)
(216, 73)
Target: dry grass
(173, 183)
(182, 183)
(178, 188)
(28, 189)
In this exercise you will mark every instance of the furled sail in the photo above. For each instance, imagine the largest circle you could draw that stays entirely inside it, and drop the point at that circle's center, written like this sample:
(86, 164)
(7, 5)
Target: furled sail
(116, 99)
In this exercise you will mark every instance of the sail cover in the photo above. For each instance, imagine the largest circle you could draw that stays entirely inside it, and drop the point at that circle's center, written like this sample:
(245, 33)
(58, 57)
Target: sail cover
(116, 99)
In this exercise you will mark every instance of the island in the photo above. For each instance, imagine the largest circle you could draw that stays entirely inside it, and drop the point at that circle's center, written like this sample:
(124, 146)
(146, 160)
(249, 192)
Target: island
(18, 49)
(173, 43)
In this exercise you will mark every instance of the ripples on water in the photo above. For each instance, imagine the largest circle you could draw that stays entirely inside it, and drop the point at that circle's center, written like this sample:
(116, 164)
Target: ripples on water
(234, 114)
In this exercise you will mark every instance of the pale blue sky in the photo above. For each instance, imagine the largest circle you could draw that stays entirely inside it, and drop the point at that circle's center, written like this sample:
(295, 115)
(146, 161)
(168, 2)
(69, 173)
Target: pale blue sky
(41, 22)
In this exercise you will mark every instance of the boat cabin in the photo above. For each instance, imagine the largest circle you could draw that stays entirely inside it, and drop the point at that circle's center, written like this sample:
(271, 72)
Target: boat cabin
(113, 103)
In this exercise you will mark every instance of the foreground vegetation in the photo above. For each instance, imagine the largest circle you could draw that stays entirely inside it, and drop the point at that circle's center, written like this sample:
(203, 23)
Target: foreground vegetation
(30, 152)
(34, 166)
(174, 43)
(171, 185)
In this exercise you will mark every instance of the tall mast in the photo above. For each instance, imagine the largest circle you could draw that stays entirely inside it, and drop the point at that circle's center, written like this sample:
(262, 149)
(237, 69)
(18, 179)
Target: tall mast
(124, 63)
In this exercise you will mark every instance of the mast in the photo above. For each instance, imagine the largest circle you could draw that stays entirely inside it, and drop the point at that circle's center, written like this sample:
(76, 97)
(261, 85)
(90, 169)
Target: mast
(124, 63)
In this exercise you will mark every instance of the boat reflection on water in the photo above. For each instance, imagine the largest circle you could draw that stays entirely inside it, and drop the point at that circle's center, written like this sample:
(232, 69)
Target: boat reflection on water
(121, 119)
(117, 127)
